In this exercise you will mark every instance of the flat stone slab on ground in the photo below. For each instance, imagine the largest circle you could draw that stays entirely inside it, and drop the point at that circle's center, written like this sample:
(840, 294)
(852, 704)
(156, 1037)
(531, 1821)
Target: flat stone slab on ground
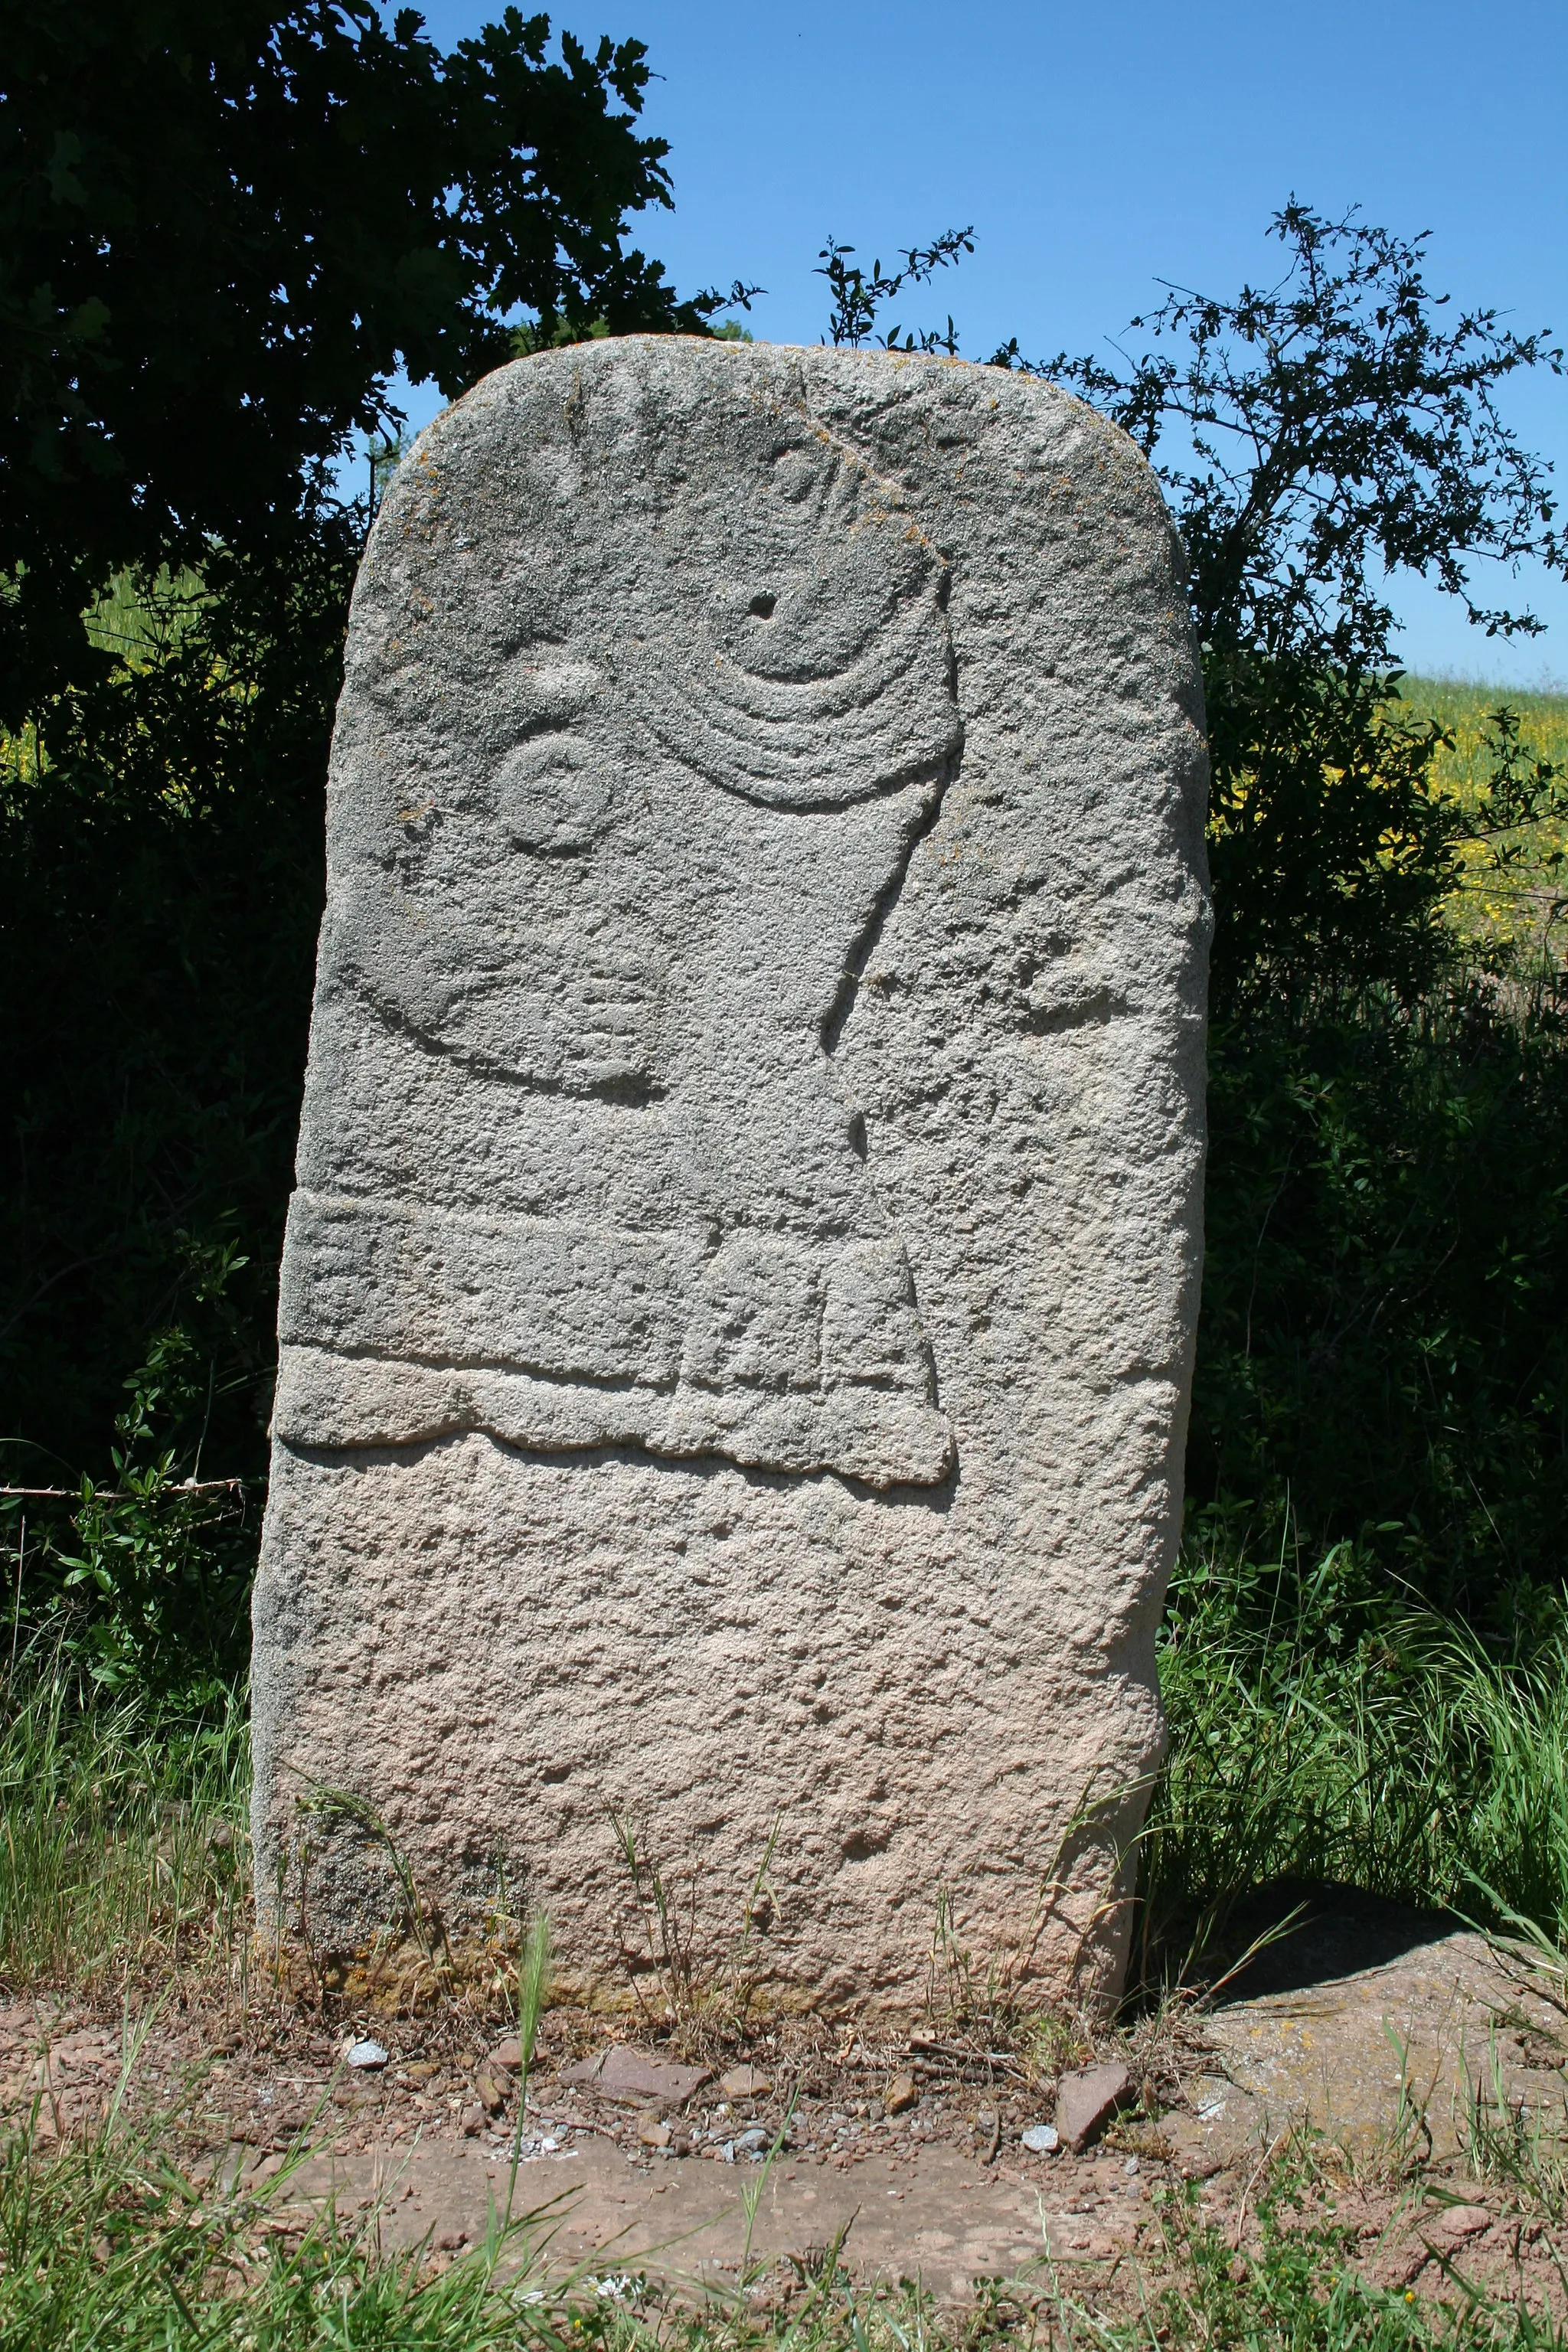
(1369, 2022)
(1088, 2098)
(745, 2083)
(1406, 2048)
(629, 2074)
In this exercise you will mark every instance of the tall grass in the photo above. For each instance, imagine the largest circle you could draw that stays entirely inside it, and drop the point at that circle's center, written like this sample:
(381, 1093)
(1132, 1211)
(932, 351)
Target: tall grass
(1318, 1730)
(121, 1829)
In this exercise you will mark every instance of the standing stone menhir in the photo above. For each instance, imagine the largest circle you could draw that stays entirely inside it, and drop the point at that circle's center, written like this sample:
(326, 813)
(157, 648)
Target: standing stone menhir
(738, 1303)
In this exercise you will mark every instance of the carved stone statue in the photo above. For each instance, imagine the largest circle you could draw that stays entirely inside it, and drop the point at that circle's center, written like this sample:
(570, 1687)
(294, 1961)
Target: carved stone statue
(748, 1211)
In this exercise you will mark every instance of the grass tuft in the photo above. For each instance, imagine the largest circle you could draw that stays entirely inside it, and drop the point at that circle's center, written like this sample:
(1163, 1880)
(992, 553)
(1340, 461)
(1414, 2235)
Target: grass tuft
(1319, 1730)
(122, 1841)
(111, 2242)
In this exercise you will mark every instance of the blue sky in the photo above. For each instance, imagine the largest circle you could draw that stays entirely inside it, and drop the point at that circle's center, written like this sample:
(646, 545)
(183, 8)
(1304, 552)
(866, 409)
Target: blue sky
(1097, 148)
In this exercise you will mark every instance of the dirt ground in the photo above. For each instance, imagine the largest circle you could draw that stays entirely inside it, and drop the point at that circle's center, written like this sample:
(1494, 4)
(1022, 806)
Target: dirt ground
(1425, 2068)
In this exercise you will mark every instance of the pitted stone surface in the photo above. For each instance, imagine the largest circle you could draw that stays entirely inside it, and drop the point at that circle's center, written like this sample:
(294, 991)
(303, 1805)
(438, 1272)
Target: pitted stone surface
(737, 1306)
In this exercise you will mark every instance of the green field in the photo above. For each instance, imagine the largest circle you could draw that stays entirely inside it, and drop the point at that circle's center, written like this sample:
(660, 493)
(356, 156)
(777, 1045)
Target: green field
(1517, 907)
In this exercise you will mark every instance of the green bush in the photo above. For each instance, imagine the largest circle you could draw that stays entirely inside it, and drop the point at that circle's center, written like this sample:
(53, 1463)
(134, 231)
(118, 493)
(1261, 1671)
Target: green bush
(162, 833)
(1384, 1346)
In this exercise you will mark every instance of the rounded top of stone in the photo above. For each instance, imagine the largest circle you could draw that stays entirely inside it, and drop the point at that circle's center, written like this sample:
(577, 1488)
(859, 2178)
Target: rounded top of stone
(1006, 391)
